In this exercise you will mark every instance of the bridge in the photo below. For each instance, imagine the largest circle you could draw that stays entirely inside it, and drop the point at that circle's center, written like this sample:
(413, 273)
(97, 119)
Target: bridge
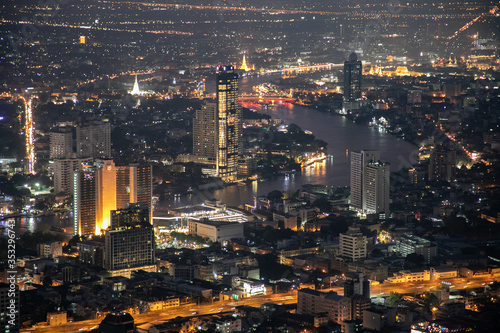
(265, 98)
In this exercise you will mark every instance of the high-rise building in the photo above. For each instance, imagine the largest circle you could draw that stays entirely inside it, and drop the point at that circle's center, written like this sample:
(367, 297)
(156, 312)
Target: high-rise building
(114, 188)
(63, 173)
(353, 244)
(129, 242)
(352, 79)
(93, 140)
(61, 142)
(442, 164)
(205, 131)
(106, 191)
(377, 186)
(85, 201)
(229, 124)
(359, 161)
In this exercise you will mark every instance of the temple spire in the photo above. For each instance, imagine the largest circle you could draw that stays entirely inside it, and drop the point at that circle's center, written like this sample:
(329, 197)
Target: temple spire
(136, 90)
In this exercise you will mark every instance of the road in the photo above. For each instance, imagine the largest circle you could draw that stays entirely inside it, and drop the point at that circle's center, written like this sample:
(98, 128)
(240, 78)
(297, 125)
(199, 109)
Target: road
(144, 320)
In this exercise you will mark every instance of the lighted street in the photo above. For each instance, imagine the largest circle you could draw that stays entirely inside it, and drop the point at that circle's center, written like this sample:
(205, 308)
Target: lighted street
(288, 298)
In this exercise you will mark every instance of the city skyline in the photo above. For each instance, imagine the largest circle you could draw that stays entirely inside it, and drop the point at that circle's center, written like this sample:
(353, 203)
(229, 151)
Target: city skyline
(249, 166)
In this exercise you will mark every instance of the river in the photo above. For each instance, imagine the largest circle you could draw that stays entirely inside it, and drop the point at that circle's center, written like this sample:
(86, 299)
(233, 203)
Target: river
(341, 135)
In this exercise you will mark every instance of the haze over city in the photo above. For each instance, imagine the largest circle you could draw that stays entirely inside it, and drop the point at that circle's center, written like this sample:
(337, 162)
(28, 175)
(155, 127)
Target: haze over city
(249, 166)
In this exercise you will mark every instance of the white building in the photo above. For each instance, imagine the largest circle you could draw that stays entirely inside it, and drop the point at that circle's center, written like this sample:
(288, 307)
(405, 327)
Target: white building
(313, 302)
(377, 185)
(216, 231)
(61, 142)
(353, 244)
(63, 173)
(359, 161)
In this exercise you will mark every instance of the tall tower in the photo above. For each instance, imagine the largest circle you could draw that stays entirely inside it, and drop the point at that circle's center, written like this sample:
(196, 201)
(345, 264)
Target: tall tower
(359, 161)
(352, 79)
(377, 183)
(229, 123)
(205, 131)
(84, 201)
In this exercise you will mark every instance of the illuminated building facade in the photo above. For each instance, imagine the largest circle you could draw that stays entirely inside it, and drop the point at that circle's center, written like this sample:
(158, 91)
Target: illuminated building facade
(106, 191)
(113, 187)
(229, 124)
(84, 201)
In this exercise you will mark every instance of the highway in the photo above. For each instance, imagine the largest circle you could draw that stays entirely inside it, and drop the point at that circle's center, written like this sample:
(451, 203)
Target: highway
(144, 320)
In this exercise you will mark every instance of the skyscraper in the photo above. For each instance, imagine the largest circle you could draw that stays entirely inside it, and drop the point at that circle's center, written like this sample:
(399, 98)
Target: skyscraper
(100, 189)
(134, 185)
(376, 193)
(84, 201)
(352, 79)
(63, 173)
(229, 124)
(352, 84)
(205, 131)
(359, 161)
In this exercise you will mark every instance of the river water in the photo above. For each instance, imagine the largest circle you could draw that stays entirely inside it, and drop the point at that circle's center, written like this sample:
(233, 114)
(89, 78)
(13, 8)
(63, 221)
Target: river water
(341, 135)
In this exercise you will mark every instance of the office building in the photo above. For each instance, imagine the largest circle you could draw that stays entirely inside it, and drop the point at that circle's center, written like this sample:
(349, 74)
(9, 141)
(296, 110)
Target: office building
(63, 173)
(134, 185)
(352, 78)
(229, 120)
(129, 244)
(112, 187)
(93, 140)
(205, 129)
(359, 162)
(9, 312)
(312, 302)
(61, 142)
(376, 188)
(409, 244)
(91, 253)
(442, 164)
(353, 244)
(85, 201)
